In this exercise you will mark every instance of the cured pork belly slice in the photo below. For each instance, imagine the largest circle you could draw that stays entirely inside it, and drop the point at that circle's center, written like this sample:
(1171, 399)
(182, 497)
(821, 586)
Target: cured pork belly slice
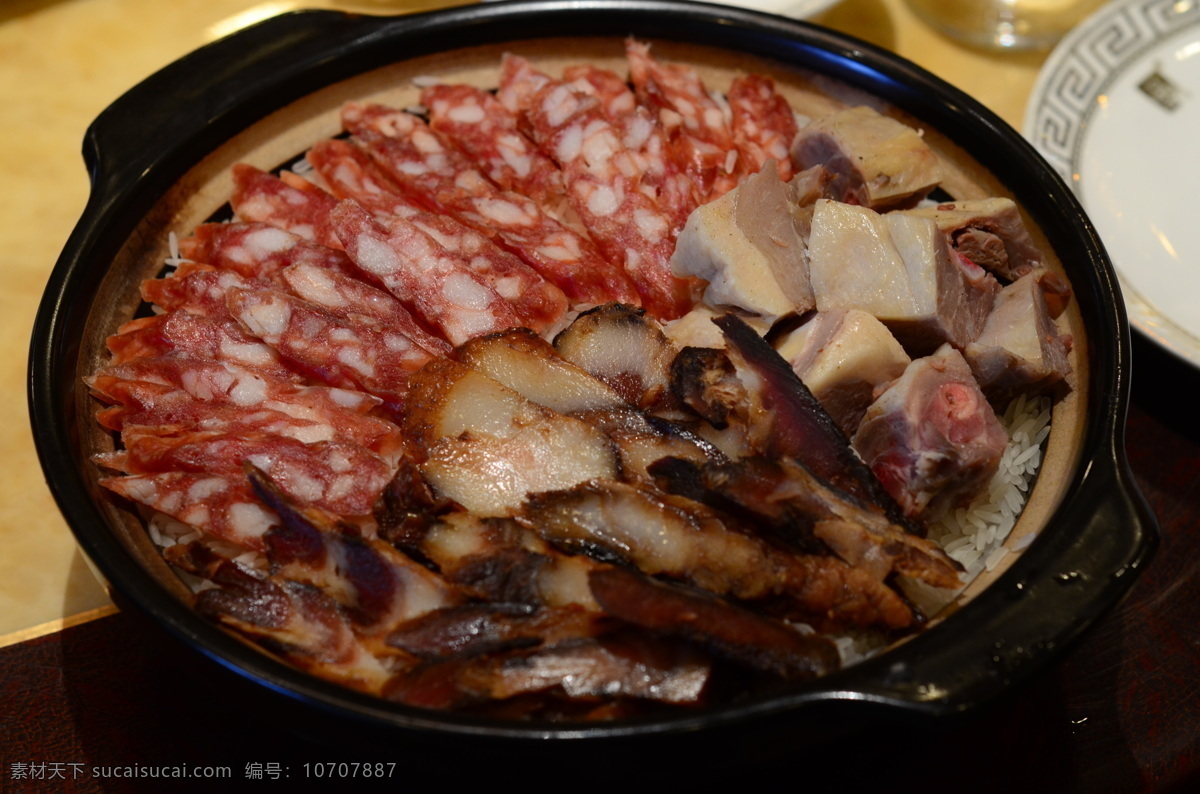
(198, 336)
(624, 348)
(379, 588)
(351, 174)
(265, 198)
(682, 540)
(785, 420)
(604, 187)
(901, 269)
(259, 250)
(705, 380)
(531, 367)
(762, 123)
(583, 669)
(174, 388)
(877, 161)
(1020, 349)
(443, 179)
(498, 560)
(359, 302)
(345, 353)
(470, 630)
(696, 124)
(289, 619)
(748, 248)
(931, 438)
(786, 501)
(697, 329)
(641, 439)
(487, 447)
(479, 124)
(336, 476)
(843, 356)
(527, 364)
(730, 631)
(989, 232)
(447, 296)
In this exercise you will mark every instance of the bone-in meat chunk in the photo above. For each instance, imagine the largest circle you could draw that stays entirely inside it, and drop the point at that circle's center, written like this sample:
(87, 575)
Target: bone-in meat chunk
(900, 269)
(989, 232)
(877, 161)
(1020, 348)
(843, 356)
(748, 248)
(931, 438)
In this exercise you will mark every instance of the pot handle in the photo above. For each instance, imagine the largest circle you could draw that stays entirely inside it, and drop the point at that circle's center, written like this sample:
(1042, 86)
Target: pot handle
(1045, 600)
(213, 92)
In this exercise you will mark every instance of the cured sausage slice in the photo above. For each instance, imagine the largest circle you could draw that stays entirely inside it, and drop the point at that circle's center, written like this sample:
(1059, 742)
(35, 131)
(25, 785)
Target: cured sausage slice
(604, 188)
(196, 288)
(692, 117)
(198, 336)
(351, 174)
(763, 124)
(220, 504)
(258, 250)
(330, 349)
(350, 298)
(660, 171)
(303, 211)
(337, 476)
(447, 296)
(444, 179)
(485, 129)
(339, 413)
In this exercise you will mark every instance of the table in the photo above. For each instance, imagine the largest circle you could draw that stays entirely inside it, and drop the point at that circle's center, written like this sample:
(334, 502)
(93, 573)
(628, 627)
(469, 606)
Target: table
(86, 685)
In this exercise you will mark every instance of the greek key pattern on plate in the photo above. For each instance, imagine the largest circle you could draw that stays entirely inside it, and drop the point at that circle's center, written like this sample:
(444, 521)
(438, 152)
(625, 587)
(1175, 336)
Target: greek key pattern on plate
(1087, 62)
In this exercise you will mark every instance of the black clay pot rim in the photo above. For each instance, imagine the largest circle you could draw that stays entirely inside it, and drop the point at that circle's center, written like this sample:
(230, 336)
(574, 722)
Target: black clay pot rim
(1020, 623)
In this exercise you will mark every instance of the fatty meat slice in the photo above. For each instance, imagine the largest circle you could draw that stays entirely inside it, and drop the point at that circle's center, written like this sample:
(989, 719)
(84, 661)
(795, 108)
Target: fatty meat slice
(486, 447)
(293, 620)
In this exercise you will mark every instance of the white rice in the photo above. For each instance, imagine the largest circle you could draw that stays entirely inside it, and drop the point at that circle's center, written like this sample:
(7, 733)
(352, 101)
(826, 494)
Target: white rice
(974, 536)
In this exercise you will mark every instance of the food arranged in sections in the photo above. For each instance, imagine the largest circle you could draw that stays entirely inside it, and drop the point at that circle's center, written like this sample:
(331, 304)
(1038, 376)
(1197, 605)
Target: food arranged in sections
(592, 392)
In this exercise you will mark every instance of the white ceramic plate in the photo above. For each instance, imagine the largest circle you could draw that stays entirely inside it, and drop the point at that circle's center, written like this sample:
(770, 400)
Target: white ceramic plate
(1116, 110)
(797, 9)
